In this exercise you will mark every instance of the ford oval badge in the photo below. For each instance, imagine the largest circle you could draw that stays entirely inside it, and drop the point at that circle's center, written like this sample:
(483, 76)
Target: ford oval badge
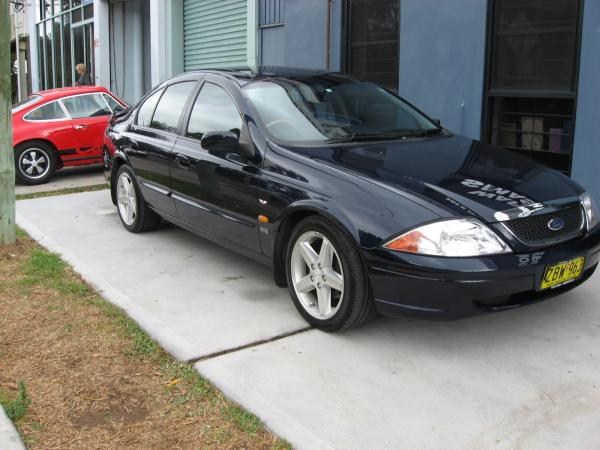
(556, 224)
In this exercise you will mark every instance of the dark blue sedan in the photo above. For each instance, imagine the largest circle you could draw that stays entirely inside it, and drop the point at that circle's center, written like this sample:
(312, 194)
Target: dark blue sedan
(359, 201)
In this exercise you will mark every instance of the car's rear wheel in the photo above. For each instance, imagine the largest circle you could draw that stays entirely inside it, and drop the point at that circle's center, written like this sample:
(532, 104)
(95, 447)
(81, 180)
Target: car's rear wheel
(326, 276)
(35, 163)
(135, 214)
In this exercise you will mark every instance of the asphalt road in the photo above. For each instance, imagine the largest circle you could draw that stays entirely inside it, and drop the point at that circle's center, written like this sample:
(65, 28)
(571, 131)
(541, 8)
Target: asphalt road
(527, 378)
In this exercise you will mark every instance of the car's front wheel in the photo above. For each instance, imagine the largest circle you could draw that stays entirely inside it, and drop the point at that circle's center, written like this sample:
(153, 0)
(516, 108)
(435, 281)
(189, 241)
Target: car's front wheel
(135, 214)
(326, 276)
(35, 163)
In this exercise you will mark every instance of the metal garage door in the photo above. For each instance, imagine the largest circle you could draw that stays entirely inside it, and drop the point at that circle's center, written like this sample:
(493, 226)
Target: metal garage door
(214, 34)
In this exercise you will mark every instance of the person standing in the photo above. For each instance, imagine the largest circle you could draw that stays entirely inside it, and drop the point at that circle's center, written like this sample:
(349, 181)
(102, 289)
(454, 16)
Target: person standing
(84, 77)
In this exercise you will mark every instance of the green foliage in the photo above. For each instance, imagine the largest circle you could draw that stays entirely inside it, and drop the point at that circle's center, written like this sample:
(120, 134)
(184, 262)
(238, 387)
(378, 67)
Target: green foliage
(17, 407)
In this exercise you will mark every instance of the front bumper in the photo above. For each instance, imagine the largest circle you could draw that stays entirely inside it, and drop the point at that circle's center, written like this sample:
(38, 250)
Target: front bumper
(448, 288)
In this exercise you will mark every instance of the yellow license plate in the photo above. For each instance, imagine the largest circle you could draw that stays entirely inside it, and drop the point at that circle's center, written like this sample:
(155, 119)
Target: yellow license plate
(562, 273)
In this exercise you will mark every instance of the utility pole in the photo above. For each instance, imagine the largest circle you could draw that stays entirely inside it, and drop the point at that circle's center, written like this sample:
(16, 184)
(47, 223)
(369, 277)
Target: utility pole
(7, 164)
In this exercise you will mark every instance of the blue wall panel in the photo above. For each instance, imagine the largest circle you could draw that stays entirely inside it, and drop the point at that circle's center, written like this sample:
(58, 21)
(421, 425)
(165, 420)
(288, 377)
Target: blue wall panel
(586, 159)
(301, 42)
(442, 60)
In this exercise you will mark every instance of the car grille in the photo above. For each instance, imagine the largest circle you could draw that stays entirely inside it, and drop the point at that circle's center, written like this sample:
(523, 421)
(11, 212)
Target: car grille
(535, 231)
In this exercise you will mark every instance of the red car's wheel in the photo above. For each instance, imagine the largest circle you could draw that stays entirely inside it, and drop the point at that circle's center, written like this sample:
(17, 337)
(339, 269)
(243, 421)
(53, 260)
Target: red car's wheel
(35, 162)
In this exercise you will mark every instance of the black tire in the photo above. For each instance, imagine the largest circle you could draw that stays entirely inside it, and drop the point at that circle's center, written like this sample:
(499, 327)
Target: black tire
(35, 162)
(356, 303)
(143, 218)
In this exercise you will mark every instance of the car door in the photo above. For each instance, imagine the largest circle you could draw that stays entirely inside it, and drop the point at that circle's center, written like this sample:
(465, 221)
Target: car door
(150, 140)
(49, 121)
(215, 191)
(89, 118)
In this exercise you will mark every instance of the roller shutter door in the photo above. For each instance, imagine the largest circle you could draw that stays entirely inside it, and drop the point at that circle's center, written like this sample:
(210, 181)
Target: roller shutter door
(214, 34)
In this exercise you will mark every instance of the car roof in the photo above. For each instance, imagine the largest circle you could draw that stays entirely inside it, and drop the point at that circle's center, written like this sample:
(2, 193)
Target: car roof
(244, 76)
(53, 94)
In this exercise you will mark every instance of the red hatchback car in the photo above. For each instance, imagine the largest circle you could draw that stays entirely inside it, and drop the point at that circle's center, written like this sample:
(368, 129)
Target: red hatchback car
(60, 128)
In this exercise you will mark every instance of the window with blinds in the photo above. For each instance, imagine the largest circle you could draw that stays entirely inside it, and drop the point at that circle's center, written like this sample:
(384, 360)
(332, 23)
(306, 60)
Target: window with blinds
(533, 78)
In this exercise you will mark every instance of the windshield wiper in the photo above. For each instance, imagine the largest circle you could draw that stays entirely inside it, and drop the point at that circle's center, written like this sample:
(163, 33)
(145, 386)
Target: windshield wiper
(362, 137)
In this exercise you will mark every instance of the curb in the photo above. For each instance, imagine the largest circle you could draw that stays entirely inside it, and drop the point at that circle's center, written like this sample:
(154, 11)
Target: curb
(9, 437)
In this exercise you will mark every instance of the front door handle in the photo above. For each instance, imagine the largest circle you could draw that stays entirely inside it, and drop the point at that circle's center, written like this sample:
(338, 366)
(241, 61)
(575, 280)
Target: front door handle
(183, 160)
(80, 127)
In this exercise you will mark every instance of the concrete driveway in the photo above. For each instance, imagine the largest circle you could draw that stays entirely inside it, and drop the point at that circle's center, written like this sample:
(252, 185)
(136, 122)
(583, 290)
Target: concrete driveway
(69, 177)
(528, 378)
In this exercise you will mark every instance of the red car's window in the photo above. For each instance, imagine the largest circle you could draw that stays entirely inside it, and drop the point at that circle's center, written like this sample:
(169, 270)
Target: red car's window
(49, 111)
(25, 103)
(87, 105)
(114, 105)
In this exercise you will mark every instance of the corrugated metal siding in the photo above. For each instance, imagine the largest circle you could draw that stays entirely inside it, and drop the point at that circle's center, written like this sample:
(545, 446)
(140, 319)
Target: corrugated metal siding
(214, 34)
(272, 12)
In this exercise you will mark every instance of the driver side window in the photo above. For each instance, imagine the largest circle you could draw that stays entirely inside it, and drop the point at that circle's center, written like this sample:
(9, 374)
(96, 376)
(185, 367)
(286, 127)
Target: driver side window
(214, 110)
(88, 105)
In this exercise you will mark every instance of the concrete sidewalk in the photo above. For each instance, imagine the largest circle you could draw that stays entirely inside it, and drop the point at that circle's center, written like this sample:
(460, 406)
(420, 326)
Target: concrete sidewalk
(527, 378)
(192, 296)
(70, 177)
(9, 437)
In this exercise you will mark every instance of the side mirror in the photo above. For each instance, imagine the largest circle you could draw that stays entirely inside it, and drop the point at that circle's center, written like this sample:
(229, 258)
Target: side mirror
(220, 141)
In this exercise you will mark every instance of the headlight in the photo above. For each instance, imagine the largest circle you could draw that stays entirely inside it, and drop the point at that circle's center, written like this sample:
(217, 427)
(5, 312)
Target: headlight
(456, 237)
(591, 211)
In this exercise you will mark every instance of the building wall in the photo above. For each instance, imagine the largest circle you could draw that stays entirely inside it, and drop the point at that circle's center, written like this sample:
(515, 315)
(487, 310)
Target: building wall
(442, 60)
(586, 160)
(302, 40)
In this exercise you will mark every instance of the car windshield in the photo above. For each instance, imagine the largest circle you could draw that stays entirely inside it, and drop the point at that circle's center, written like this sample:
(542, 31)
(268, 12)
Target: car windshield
(25, 103)
(329, 109)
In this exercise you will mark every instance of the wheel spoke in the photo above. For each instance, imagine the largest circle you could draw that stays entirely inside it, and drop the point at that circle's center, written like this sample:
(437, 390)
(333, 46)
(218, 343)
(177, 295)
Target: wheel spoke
(334, 280)
(305, 285)
(27, 161)
(324, 298)
(42, 160)
(308, 254)
(326, 253)
(29, 170)
(32, 154)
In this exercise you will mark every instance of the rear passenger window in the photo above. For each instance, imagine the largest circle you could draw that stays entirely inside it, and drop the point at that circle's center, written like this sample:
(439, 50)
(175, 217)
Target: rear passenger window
(88, 105)
(170, 107)
(50, 111)
(145, 112)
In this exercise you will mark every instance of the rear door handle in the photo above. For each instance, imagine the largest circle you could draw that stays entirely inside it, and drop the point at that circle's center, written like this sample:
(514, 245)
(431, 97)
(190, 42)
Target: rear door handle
(183, 160)
(80, 127)
(133, 144)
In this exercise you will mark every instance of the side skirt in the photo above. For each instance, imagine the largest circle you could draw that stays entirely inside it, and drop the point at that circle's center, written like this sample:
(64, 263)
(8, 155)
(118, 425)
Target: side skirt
(265, 260)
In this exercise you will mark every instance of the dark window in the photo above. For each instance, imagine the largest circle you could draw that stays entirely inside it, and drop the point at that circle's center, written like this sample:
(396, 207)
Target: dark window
(170, 107)
(373, 41)
(147, 109)
(214, 110)
(532, 78)
(49, 111)
(534, 44)
(89, 105)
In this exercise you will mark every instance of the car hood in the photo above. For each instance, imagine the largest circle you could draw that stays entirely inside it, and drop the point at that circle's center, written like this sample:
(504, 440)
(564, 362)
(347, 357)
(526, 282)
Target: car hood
(459, 174)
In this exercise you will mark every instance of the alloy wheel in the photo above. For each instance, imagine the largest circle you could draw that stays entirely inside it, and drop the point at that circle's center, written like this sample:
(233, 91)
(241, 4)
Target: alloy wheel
(34, 163)
(126, 199)
(317, 275)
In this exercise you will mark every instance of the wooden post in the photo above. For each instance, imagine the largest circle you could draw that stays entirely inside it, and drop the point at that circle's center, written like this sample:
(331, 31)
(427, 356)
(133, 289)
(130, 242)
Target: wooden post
(7, 156)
